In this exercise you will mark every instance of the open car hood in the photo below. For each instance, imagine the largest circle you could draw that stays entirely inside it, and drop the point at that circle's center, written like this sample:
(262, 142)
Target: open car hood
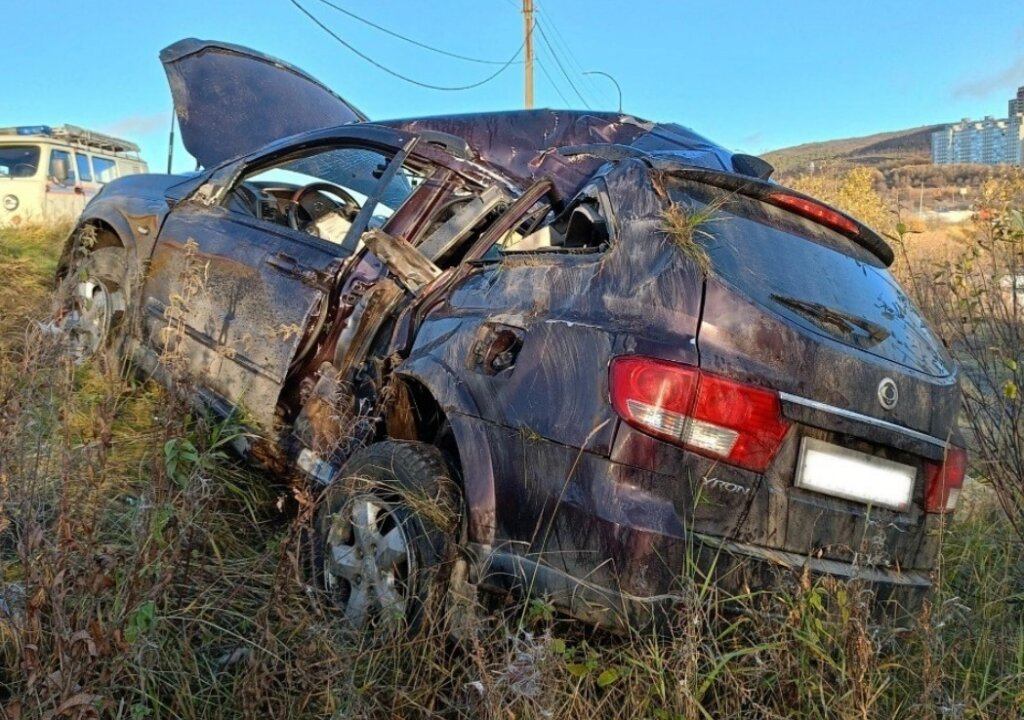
(231, 100)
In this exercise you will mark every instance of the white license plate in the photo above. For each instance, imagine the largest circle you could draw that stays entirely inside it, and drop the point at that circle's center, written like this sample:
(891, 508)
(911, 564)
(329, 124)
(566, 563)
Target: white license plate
(838, 471)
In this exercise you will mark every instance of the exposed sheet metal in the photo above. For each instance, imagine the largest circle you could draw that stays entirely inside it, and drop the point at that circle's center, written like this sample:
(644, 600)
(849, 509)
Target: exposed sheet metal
(524, 143)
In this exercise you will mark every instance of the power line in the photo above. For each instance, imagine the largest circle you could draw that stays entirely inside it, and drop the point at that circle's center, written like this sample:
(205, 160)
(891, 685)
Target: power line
(399, 75)
(564, 44)
(551, 81)
(409, 40)
(544, 37)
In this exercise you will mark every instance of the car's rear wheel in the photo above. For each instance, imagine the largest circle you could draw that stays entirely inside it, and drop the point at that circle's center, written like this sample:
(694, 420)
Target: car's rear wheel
(94, 297)
(384, 538)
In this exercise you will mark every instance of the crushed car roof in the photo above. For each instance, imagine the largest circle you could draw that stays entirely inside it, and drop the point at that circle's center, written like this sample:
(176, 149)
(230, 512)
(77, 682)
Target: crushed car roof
(231, 100)
(568, 146)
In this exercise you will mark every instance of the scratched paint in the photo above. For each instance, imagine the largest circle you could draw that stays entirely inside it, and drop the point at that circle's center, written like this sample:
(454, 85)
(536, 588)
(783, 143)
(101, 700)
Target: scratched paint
(501, 356)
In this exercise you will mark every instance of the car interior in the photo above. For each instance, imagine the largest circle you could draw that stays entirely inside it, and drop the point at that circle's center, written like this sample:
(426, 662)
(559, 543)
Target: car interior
(321, 194)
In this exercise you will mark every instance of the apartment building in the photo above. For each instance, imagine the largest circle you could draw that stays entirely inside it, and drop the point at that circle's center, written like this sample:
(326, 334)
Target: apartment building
(990, 141)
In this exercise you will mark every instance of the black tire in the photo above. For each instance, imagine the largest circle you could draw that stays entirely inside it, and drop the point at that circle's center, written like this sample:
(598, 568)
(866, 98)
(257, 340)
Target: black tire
(384, 538)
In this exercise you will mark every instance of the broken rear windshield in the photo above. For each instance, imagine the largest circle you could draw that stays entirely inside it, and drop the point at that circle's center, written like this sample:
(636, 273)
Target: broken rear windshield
(808, 273)
(19, 160)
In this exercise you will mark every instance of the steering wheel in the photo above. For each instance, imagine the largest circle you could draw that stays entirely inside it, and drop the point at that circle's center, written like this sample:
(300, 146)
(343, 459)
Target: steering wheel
(350, 205)
(23, 170)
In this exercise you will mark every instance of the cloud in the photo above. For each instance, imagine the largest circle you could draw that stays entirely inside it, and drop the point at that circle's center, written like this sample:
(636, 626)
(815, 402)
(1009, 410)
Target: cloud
(1007, 78)
(140, 124)
(756, 138)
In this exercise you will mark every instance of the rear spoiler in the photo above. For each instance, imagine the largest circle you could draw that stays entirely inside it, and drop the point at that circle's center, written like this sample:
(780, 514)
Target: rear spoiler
(791, 200)
(751, 179)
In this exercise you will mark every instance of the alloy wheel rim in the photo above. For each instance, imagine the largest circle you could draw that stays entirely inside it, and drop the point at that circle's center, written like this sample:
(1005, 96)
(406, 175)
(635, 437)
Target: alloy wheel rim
(88, 321)
(368, 563)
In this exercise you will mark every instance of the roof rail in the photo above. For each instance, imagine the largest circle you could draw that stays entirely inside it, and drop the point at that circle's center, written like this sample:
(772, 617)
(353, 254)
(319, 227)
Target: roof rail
(73, 133)
(76, 135)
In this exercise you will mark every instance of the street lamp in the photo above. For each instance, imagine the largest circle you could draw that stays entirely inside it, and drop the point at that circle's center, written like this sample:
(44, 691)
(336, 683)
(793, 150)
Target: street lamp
(599, 72)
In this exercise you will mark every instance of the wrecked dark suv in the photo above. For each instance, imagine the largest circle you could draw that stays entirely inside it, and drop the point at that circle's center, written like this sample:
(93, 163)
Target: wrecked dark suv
(580, 354)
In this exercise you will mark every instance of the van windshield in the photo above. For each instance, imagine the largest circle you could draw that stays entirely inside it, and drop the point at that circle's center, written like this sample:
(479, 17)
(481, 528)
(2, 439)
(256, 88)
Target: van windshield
(19, 161)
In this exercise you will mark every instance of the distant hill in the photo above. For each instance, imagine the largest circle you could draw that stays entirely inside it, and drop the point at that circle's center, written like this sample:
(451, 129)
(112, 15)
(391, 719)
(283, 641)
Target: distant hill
(882, 150)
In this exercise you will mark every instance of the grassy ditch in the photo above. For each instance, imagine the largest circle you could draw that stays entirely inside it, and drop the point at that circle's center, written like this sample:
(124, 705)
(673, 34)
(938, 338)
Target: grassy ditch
(28, 259)
(147, 574)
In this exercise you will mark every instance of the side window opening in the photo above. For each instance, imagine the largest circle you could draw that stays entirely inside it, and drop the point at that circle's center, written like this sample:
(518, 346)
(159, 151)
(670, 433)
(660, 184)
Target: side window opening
(322, 192)
(105, 169)
(582, 226)
(460, 222)
(60, 170)
(537, 231)
(82, 163)
(587, 227)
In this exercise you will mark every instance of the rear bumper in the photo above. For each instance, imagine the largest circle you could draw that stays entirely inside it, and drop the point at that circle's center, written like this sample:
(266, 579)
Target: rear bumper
(894, 595)
(817, 566)
(628, 544)
(727, 575)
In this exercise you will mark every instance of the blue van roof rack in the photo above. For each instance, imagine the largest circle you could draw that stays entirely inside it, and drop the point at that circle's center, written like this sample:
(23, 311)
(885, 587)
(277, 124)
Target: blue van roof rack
(27, 130)
(76, 135)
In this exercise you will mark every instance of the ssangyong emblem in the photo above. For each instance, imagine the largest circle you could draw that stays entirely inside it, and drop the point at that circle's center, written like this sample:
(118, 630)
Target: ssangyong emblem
(888, 393)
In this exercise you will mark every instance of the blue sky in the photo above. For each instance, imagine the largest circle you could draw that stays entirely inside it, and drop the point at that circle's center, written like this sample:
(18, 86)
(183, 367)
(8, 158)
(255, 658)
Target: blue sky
(753, 76)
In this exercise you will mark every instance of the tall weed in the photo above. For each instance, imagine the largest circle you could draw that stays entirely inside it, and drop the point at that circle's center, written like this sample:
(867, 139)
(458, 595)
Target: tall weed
(147, 573)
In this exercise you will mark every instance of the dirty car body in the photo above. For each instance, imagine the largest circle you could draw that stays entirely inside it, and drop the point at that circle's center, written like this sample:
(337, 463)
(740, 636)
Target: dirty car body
(627, 404)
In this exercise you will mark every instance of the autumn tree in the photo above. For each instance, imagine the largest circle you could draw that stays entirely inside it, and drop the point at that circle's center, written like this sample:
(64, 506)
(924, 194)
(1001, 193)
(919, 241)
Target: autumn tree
(853, 192)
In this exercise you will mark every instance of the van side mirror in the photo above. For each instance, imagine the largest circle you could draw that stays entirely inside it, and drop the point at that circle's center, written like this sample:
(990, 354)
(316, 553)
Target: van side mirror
(59, 169)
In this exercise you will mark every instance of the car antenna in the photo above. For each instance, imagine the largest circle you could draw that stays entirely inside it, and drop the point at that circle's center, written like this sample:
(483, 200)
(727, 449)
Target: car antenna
(170, 146)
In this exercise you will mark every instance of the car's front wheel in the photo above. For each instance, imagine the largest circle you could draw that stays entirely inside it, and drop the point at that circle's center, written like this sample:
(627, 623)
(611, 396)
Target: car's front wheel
(384, 537)
(94, 296)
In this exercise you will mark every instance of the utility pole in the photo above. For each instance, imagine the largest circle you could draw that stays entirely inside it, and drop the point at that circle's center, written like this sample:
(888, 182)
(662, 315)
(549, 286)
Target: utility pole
(170, 146)
(528, 65)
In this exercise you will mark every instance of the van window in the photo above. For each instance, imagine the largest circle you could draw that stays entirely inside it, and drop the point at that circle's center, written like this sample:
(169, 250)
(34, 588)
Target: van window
(84, 173)
(55, 157)
(106, 170)
(19, 161)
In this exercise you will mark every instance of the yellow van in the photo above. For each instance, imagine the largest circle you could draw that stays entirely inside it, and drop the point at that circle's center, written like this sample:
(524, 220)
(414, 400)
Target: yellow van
(49, 174)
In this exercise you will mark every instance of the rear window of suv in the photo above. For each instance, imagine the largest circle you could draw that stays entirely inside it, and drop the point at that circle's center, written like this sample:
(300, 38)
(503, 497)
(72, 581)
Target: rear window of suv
(816, 277)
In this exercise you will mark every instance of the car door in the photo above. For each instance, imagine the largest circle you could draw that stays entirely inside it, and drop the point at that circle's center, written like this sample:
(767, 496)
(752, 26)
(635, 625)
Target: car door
(234, 299)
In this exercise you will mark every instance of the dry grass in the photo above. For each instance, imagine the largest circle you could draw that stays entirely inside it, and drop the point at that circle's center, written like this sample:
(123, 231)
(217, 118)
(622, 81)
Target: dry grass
(684, 228)
(147, 574)
(28, 259)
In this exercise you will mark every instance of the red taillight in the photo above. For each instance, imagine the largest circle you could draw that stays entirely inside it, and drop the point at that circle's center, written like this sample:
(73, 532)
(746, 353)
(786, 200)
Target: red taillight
(815, 211)
(944, 480)
(736, 423)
